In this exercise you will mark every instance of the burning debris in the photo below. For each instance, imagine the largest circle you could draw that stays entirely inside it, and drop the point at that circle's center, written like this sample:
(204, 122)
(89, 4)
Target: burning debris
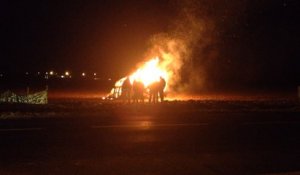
(170, 57)
(150, 80)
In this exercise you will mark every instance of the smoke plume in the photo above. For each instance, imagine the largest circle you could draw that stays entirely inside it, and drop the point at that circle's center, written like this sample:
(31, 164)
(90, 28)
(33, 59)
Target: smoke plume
(190, 32)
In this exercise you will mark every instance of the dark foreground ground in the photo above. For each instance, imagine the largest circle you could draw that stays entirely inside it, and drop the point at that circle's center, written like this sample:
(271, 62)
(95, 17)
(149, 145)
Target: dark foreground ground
(192, 137)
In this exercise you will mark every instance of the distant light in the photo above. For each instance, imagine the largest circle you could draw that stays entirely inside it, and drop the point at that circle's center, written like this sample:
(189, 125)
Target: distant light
(27, 73)
(103, 98)
(39, 73)
(83, 74)
(51, 72)
(109, 79)
(1, 75)
(67, 73)
(46, 73)
(95, 74)
(62, 76)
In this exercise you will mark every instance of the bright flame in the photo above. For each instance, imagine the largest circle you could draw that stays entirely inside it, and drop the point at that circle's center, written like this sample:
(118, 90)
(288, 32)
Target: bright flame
(149, 73)
(120, 82)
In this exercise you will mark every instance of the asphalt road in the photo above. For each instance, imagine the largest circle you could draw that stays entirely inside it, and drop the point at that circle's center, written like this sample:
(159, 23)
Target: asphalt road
(187, 143)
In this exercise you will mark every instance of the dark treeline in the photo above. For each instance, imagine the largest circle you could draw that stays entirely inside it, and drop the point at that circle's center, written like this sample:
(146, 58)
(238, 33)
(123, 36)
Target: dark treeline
(20, 84)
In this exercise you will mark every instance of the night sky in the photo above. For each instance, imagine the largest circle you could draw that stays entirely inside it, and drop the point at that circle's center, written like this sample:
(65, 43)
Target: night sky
(256, 42)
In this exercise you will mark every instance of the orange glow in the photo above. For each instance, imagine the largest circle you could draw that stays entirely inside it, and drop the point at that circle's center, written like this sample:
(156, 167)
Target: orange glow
(149, 73)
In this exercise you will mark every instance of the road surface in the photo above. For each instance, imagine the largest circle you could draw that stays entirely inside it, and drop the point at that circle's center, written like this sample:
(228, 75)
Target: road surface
(187, 143)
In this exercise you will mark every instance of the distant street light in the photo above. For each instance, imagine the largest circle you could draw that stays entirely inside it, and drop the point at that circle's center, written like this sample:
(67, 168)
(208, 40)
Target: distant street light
(67, 73)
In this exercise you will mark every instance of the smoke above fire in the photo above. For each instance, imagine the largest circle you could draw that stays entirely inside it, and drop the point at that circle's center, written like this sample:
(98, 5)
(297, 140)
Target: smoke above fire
(189, 32)
(172, 52)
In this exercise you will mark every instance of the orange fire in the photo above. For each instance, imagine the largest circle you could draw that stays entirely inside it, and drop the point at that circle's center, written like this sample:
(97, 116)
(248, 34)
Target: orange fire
(147, 73)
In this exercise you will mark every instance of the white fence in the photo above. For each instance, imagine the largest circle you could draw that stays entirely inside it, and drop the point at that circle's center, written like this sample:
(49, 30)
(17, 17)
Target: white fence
(35, 98)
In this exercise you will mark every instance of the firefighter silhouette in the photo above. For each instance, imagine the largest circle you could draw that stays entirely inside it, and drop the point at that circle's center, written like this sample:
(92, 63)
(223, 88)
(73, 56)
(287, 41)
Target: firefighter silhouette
(126, 90)
(161, 87)
(138, 91)
(153, 92)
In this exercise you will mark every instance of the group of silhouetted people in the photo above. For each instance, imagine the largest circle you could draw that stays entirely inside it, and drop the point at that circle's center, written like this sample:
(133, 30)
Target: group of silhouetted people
(156, 90)
(135, 91)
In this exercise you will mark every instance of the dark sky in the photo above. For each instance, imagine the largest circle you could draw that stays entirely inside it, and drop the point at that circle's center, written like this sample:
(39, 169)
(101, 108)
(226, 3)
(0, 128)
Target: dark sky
(257, 40)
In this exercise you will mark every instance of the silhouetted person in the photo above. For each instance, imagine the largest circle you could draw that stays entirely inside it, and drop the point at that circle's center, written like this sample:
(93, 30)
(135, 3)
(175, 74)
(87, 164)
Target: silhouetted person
(134, 91)
(141, 89)
(153, 92)
(138, 91)
(161, 87)
(126, 90)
